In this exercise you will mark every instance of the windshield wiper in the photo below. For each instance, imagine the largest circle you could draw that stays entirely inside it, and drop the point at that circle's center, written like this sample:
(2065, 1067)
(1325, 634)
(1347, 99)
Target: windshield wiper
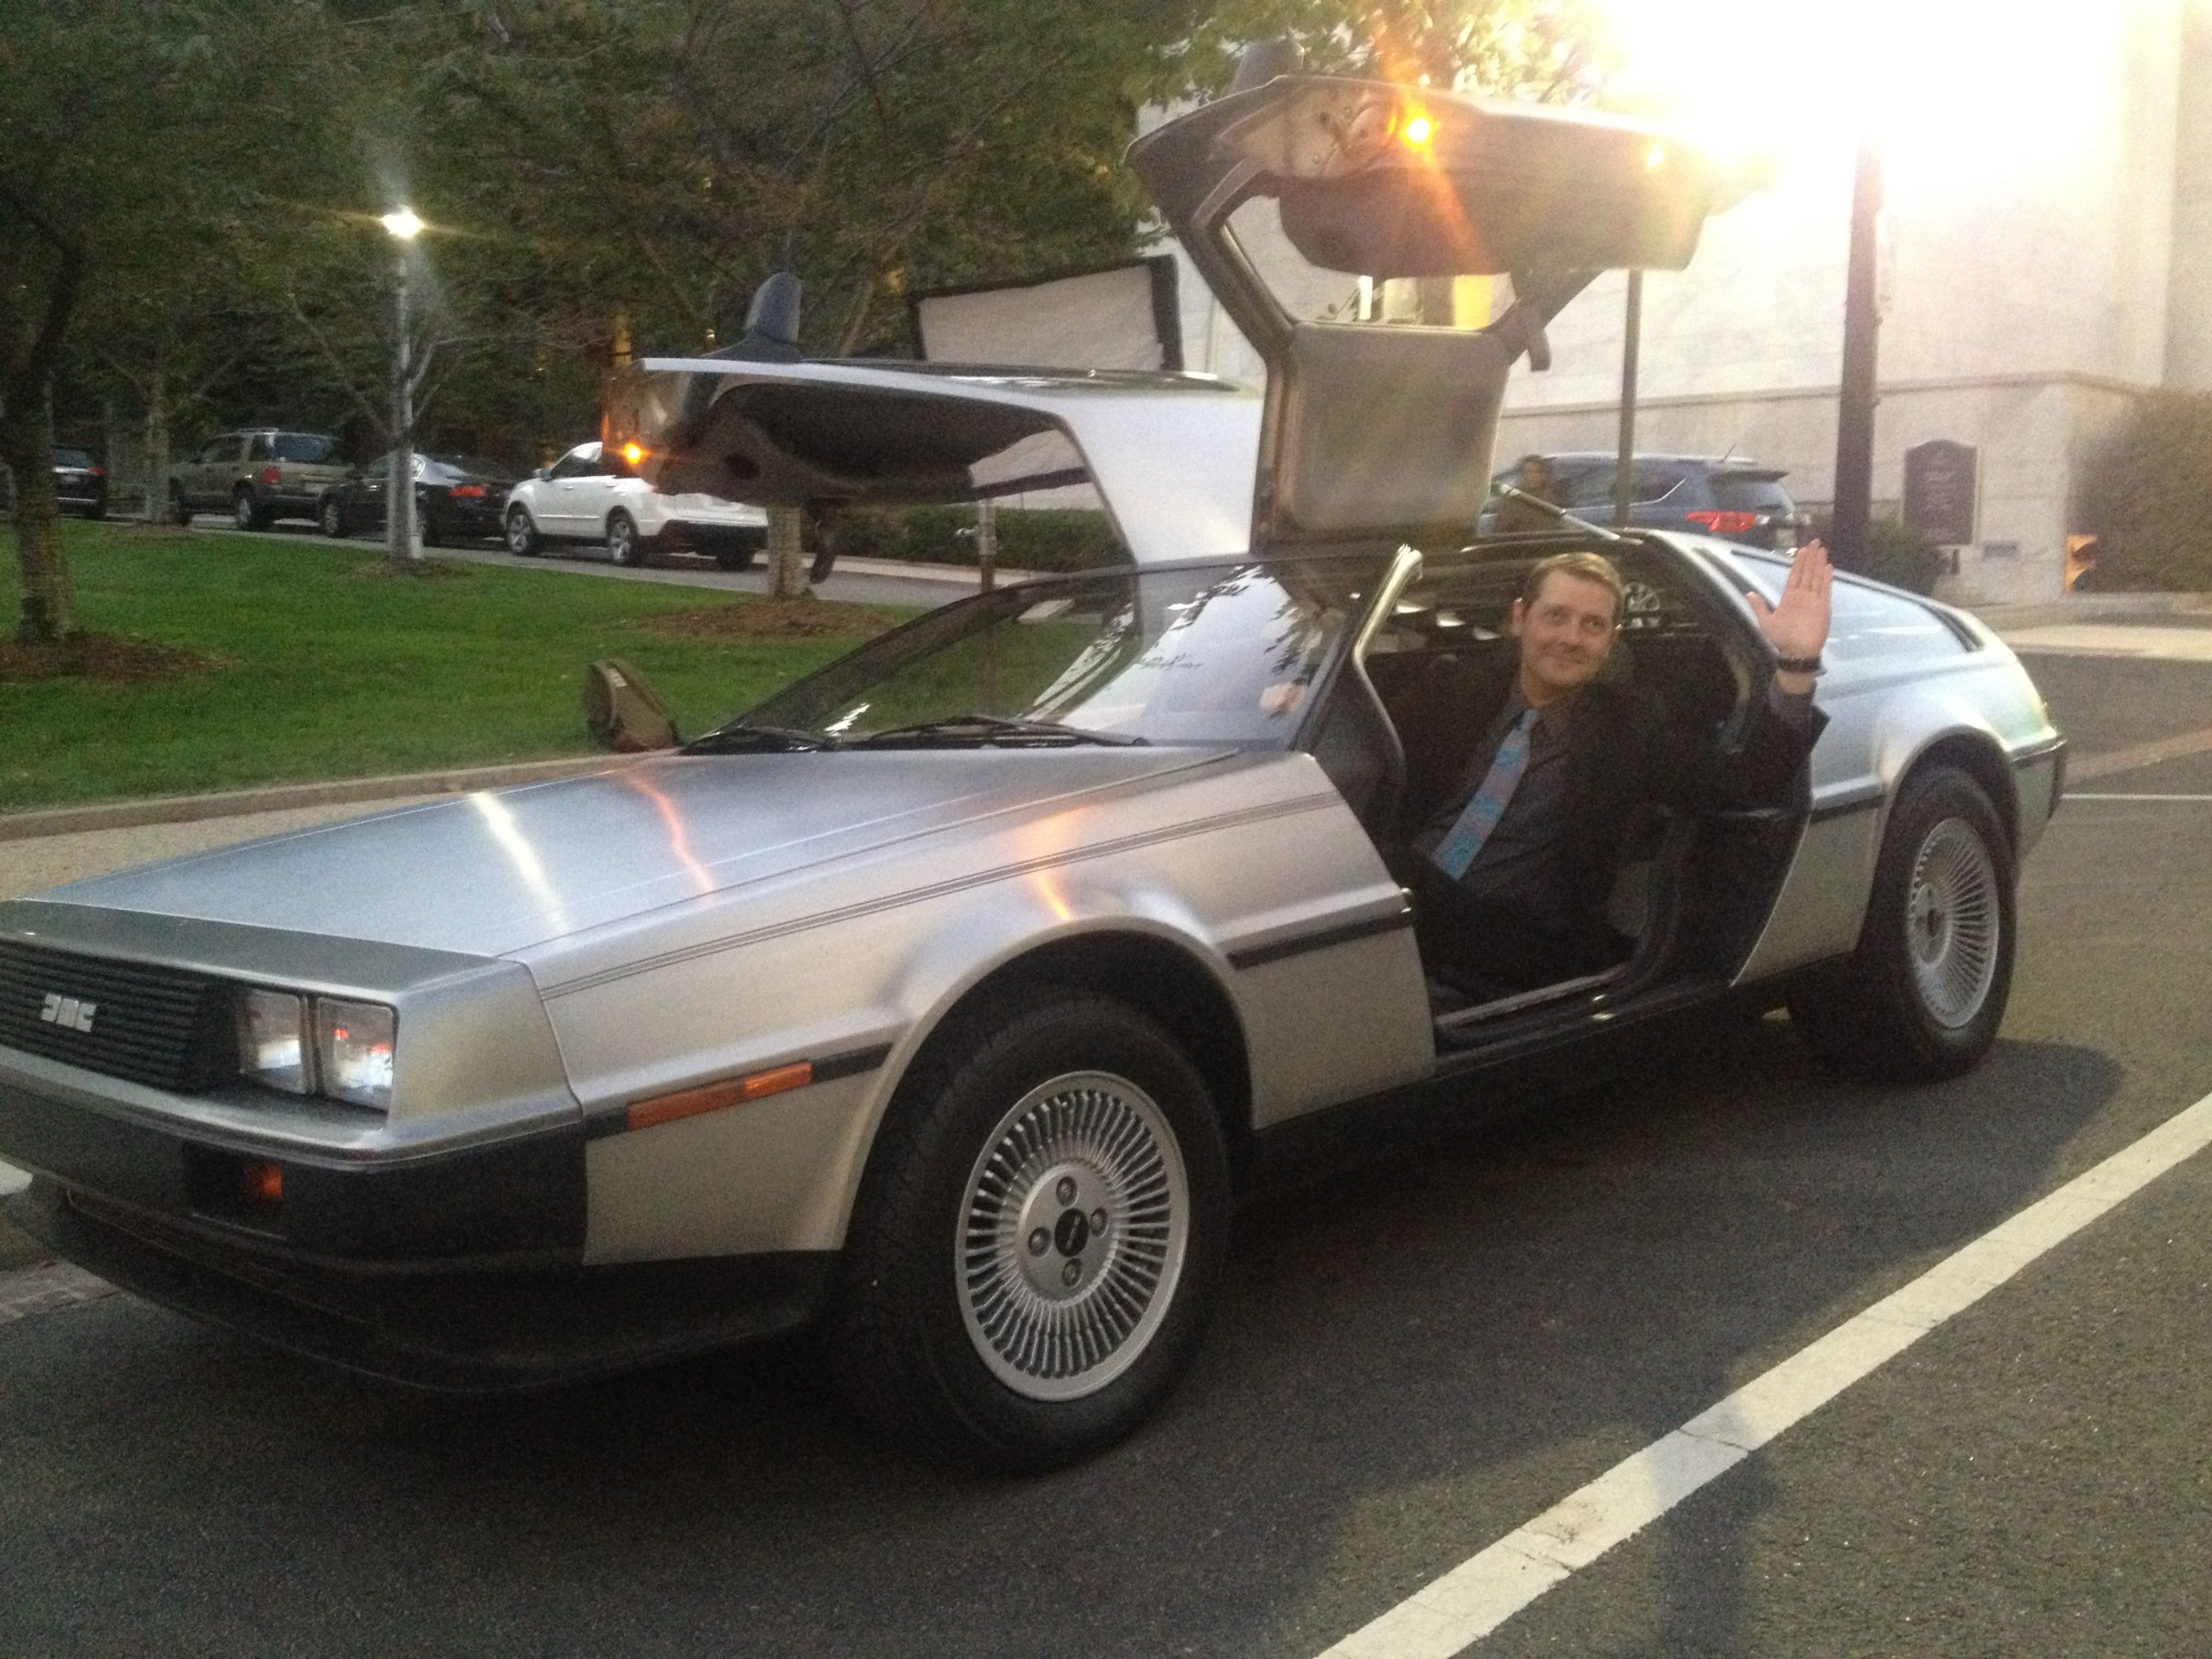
(742, 739)
(993, 728)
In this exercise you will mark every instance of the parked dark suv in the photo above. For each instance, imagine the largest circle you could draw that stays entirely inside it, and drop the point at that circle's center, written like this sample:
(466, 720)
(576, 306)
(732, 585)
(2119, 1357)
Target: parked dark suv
(1738, 501)
(259, 476)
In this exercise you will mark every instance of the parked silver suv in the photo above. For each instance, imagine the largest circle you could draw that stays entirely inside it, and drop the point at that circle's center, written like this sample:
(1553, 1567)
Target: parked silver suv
(259, 475)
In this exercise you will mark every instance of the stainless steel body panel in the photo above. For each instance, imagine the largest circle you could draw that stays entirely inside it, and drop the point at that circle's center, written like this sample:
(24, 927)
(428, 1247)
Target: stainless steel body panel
(1882, 722)
(1249, 857)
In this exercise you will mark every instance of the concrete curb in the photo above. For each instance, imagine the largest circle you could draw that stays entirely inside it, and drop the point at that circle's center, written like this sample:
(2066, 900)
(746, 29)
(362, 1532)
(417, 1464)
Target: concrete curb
(2090, 607)
(281, 796)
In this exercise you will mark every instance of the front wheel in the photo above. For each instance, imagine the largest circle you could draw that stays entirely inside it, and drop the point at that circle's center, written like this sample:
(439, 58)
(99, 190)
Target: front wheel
(1922, 995)
(1038, 1241)
(521, 534)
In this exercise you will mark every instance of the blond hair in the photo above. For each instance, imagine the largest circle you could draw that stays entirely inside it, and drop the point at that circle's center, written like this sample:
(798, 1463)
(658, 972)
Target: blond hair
(1583, 566)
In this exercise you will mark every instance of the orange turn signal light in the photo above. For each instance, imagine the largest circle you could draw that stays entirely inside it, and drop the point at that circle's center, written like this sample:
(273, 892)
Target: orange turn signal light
(714, 1097)
(261, 1183)
(634, 454)
(1419, 130)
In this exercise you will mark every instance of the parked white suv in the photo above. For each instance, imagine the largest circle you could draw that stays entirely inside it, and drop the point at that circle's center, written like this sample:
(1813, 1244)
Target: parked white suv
(588, 497)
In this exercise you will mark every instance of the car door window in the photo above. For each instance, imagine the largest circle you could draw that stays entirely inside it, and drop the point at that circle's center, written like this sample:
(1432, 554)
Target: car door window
(262, 450)
(583, 462)
(219, 450)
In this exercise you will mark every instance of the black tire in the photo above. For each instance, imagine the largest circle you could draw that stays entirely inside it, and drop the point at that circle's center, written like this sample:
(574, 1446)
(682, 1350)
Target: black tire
(97, 510)
(944, 1250)
(244, 512)
(522, 538)
(737, 558)
(331, 518)
(625, 545)
(1922, 995)
(180, 512)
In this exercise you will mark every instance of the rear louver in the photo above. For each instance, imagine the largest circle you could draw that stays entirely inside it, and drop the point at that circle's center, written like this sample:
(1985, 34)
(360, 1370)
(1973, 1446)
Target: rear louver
(152, 1025)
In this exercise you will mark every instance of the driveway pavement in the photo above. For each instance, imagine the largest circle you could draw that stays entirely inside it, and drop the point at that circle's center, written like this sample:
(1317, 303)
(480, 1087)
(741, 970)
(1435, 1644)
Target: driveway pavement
(856, 581)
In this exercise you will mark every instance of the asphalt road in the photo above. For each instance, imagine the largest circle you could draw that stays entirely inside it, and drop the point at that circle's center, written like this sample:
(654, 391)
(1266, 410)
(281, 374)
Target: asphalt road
(861, 581)
(1410, 1361)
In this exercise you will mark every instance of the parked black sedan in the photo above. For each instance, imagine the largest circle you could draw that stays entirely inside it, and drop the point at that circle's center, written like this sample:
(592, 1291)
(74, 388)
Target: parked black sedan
(80, 484)
(457, 498)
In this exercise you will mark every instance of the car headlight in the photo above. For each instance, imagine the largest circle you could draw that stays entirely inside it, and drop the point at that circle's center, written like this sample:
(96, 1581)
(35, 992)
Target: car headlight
(316, 1045)
(272, 1040)
(353, 1051)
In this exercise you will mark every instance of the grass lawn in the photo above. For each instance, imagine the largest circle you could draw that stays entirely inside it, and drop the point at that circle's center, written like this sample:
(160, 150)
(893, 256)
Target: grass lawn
(338, 675)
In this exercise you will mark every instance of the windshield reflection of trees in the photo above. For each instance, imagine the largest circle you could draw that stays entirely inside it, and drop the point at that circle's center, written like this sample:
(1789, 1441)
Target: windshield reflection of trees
(1174, 656)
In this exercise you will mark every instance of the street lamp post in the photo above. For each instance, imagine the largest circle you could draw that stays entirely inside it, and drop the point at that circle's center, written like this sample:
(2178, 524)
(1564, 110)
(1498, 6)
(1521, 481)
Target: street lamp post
(399, 487)
(1854, 507)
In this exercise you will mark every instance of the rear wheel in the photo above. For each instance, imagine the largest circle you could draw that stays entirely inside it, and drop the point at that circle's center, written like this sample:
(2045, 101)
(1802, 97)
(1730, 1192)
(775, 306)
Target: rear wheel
(1036, 1243)
(243, 512)
(624, 545)
(179, 512)
(331, 516)
(738, 558)
(522, 539)
(1922, 995)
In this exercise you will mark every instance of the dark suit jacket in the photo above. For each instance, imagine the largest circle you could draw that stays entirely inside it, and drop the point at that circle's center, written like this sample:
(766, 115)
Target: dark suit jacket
(1622, 751)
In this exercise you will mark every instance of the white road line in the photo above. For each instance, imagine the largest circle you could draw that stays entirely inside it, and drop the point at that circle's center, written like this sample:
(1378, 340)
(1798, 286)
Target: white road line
(2071, 795)
(1481, 1592)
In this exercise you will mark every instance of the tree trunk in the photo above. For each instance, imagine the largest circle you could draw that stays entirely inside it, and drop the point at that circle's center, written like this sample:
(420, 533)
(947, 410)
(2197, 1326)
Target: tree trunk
(42, 572)
(787, 560)
(155, 507)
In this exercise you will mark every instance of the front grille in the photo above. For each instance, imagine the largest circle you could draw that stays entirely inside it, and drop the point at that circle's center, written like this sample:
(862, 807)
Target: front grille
(152, 1025)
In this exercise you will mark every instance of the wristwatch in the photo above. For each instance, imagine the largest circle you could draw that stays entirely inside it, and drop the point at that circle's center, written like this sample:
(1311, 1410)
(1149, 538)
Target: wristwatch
(1798, 665)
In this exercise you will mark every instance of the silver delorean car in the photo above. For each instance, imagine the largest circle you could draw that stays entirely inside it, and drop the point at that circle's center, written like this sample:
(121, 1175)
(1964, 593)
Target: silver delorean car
(947, 1001)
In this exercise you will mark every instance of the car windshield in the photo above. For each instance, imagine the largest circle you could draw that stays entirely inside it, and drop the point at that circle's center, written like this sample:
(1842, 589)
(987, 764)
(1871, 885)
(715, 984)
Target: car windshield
(1215, 654)
(72, 458)
(303, 446)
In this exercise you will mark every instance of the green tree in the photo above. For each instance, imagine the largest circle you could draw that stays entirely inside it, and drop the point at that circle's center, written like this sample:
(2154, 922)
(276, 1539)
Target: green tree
(115, 174)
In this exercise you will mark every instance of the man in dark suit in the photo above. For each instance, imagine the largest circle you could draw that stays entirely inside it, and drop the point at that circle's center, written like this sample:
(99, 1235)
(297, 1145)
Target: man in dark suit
(1511, 875)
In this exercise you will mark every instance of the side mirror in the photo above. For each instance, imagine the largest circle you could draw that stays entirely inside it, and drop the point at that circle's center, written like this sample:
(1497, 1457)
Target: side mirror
(624, 713)
(543, 474)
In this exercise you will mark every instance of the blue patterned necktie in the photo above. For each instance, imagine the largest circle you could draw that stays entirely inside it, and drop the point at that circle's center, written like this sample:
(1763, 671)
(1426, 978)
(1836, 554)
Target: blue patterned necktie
(1456, 850)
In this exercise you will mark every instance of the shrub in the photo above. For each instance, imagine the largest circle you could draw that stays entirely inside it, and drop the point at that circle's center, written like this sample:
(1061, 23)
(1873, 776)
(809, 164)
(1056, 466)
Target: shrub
(1900, 556)
(1042, 539)
(2147, 496)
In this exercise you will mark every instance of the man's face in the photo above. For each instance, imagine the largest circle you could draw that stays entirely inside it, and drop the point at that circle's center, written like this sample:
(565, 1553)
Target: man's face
(1566, 633)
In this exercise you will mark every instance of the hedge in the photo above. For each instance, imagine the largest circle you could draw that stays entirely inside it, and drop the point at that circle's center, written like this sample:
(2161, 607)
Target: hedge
(2146, 496)
(1902, 557)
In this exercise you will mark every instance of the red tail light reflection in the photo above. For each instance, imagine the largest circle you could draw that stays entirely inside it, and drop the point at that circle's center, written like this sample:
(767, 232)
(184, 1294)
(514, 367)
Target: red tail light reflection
(1725, 524)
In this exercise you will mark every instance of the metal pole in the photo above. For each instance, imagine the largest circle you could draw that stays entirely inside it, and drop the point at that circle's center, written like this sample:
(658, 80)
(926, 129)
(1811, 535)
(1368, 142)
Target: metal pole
(399, 487)
(987, 542)
(1854, 504)
(1631, 347)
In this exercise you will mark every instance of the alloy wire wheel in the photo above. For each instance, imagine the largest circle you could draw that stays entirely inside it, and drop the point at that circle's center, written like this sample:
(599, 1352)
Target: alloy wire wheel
(1950, 923)
(332, 517)
(242, 513)
(1924, 993)
(1035, 1248)
(1072, 1236)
